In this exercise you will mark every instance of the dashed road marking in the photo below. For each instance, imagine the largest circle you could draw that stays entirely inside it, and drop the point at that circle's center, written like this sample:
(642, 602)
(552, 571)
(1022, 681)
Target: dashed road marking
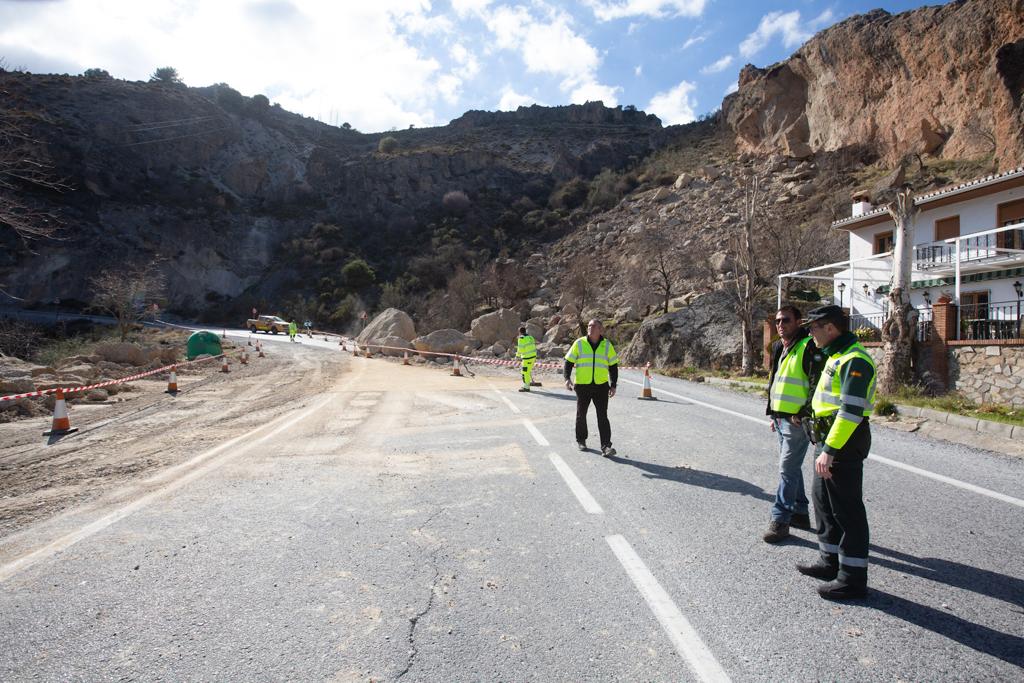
(535, 432)
(684, 637)
(515, 409)
(575, 485)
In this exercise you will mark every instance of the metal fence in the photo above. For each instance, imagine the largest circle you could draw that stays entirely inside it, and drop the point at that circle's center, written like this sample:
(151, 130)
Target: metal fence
(995, 320)
(943, 255)
(868, 326)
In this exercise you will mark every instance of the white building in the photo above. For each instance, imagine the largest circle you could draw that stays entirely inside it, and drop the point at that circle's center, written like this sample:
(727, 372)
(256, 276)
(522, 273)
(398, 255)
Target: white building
(968, 245)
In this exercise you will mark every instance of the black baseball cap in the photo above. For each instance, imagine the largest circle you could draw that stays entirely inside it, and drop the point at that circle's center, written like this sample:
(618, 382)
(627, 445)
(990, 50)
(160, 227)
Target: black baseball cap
(824, 313)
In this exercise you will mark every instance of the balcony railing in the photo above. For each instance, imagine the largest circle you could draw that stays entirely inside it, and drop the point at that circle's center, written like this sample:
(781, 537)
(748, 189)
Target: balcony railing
(1005, 243)
(997, 320)
(871, 324)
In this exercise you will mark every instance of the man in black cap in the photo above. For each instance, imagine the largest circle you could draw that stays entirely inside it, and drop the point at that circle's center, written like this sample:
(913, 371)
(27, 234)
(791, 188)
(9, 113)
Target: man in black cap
(841, 404)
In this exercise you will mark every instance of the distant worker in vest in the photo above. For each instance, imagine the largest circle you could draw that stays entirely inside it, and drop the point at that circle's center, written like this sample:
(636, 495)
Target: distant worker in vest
(526, 351)
(796, 363)
(597, 373)
(842, 403)
(293, 330)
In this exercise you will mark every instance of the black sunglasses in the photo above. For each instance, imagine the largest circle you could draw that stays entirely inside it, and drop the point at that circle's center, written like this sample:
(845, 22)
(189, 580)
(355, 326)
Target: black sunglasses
(783, 320)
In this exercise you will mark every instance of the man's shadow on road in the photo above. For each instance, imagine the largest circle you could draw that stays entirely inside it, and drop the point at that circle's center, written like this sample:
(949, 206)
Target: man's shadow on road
(984, 639)
(693, 477)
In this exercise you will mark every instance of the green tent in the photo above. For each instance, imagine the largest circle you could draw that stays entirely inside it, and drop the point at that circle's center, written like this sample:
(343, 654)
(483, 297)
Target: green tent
(202, 342)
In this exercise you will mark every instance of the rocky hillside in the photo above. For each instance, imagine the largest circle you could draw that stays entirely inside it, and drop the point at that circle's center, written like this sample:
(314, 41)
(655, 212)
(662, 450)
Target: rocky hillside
(947, 80)
(242, 202)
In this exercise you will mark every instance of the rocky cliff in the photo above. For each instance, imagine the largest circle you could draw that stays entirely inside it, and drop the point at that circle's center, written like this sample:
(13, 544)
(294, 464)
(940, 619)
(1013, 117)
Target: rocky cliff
(946, 80)
(218, 187)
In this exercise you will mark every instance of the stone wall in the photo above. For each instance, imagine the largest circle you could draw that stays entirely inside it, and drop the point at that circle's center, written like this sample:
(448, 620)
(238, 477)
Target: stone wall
(988, 374)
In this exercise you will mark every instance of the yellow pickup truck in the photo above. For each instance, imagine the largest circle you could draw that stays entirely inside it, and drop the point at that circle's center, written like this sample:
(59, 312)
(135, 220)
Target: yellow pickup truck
(270, 324)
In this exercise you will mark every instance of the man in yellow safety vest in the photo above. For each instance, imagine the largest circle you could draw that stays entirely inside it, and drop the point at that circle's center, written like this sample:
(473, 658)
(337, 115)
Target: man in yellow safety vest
(796, 363)
(597, 373)
(526, 351)
(842, 403)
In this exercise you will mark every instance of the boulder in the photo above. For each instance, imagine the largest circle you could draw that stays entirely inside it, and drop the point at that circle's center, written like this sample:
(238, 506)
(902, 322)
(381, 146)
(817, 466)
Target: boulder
(396, 346)
(501, 325)
(541, 311)
(682, 181)
(16, 385)
(558, 334)
(37, 370)
(446, 341)
(122, 353)
(389, 323)
(627, 314)
(99, 394)
(663, 194)
(88, 371)
(704, 334)
(80, 360)
(498, 349)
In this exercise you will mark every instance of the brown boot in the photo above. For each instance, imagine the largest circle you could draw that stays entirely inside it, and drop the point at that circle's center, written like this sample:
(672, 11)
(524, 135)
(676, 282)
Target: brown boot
(777, 531)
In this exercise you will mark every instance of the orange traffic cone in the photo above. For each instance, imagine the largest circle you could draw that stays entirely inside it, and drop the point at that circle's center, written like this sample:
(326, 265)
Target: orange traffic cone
(249, 342)
(61, 421)
(245, 358)
(172, 383)
(259, 347)
(367, 351)
(224, 367)
(405, 357)
(646, 394)
(455, 367)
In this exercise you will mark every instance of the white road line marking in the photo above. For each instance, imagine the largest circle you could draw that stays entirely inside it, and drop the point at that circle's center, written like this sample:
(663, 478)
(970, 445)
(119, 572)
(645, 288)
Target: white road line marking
(535, 432)
(510, 404)
(575, 485)
(684, 637)
(759, 420)
(871, 456)
(949, 480)
(11, 568)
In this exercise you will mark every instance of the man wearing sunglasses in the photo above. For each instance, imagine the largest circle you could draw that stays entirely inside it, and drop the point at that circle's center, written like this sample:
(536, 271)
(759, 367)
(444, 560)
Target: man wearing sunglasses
(796, 364)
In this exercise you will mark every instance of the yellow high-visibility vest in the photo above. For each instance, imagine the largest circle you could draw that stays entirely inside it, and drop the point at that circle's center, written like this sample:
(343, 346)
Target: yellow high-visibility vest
(592, 364)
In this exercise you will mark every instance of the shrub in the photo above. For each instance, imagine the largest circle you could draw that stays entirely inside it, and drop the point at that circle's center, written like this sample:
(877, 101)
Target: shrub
(96, 73)
(166, 74)
(456, 202)
(358, 274)
(571, 195)
(867, 334)
(883, 406)
(387, 145)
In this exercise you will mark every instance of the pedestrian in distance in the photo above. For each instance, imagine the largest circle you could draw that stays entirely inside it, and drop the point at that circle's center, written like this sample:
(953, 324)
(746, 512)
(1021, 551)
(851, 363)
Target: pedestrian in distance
(842, 403)
(293, 330)
(597, 373)
(795, 365)
(526, 352)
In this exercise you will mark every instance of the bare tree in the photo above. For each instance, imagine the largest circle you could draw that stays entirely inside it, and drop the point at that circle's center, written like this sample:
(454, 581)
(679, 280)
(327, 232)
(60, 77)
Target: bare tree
(898, 328)
(23, 166)
(581, 286)
(128, 293)
(663, 261)
(748, 283)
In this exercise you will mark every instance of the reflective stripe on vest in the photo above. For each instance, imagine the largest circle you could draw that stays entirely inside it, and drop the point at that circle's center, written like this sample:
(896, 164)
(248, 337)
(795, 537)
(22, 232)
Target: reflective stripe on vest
(791, 386)
(527, 347)
(592, 365)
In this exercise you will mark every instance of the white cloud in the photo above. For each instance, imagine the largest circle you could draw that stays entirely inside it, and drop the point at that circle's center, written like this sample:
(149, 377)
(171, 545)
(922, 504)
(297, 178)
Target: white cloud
(690, 42)
(593, 92)
(731, 89)
(450, 87)
(657, 9)
(467, 61)
(467, 7)
(638, 70)
(675, 105)
(352, 62)
(719, 66)
(509, 26)
(823, 19)
(511, 100)
(775, 24)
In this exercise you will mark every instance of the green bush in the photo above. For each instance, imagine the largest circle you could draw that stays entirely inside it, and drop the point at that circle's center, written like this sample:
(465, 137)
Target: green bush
(387, 145)
(867, 334)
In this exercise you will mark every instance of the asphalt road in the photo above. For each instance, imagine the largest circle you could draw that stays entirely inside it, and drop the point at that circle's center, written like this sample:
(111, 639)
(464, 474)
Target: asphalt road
(408, 525)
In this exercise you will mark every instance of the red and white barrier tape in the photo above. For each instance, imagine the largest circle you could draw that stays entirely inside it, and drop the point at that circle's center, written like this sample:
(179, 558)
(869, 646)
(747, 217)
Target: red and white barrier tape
(120, 380)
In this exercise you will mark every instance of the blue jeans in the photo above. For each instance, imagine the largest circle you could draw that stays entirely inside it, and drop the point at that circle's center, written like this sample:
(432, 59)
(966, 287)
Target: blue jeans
(790, 499)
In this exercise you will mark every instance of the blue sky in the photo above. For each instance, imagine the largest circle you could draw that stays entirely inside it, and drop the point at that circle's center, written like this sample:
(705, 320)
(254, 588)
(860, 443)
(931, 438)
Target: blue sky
(394, 63)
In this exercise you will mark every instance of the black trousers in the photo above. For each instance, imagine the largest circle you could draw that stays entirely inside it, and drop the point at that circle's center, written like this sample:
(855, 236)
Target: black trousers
(842, 521)
(598, 393)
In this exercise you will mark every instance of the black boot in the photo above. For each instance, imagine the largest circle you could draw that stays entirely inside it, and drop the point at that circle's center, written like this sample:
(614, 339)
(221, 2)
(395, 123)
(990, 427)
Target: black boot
(798, 521)
(839, 590)
(826, 571)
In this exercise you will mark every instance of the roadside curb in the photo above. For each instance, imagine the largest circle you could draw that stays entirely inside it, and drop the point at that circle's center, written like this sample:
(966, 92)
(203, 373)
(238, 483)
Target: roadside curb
(971, 424)
(963, 422)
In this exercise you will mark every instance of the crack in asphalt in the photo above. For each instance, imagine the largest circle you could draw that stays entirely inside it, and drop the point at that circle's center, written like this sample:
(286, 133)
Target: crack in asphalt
(414, 620)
